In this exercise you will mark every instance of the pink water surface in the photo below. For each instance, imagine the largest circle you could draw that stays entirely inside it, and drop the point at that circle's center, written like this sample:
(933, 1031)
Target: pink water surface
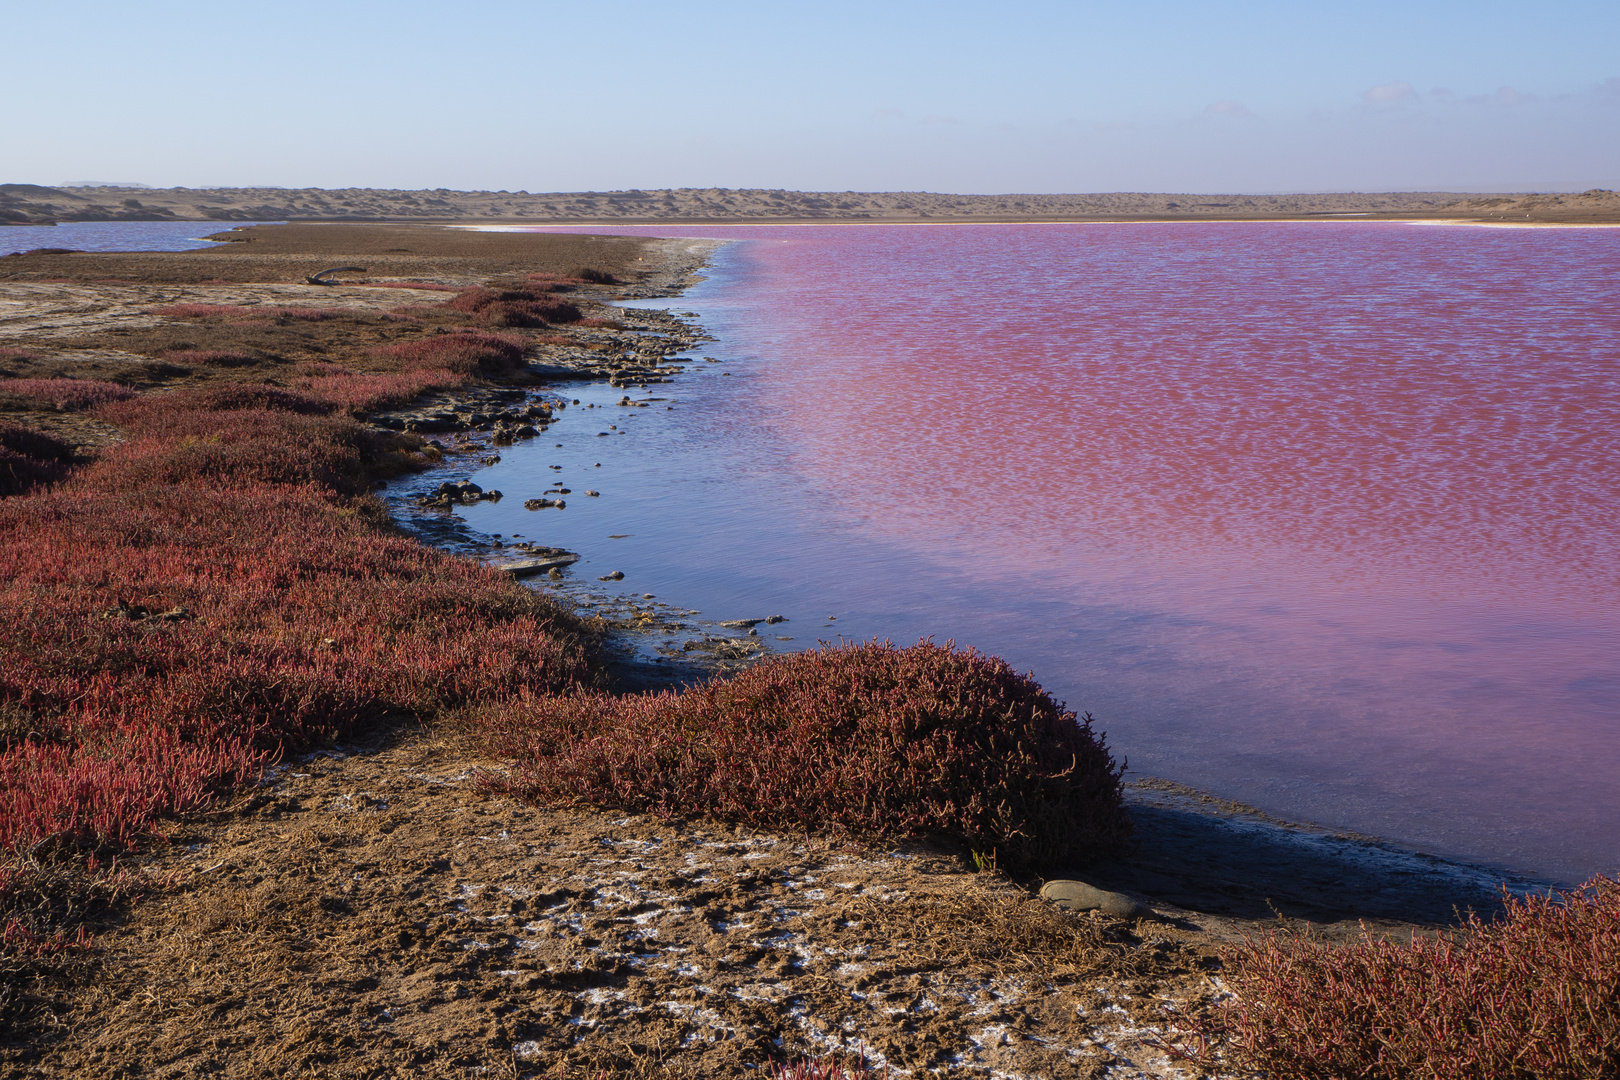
(1368, 475)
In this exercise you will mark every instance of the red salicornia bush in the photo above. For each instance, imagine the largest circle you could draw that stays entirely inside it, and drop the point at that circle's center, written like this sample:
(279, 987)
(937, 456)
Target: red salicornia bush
(533, 306)
(863, 738)
(827, 1068)
(354, 392)
(1534, 995)
(66, 393)
(468, 352)
(216, 589)
(30, 458)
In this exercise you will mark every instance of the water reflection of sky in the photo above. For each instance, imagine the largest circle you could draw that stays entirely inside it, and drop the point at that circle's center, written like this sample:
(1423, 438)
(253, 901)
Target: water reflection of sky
(1345, 552)
(115, 235)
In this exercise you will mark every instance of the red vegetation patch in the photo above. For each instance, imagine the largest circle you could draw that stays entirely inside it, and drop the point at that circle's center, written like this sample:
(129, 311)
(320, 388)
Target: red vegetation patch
(827, 1068)
(867, 738)
(163, 641)
(1532, 996)
(214, 450)
(152, 412)
(514, 307)
(66, 393)
(469, 352)
(30, 459)
(18, 941)
(363, 393)
(601, 324)
(9, 353)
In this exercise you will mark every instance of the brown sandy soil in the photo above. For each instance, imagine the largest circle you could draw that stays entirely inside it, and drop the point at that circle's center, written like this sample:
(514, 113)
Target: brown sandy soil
(373, 912)
(32, 204)
(369, 912)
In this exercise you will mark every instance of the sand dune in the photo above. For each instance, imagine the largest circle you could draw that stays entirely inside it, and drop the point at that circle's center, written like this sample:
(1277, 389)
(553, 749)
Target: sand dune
(30, 204)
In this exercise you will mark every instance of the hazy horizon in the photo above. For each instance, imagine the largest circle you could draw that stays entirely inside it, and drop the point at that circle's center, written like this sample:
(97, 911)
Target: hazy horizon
(70, 185)
(1258, 98)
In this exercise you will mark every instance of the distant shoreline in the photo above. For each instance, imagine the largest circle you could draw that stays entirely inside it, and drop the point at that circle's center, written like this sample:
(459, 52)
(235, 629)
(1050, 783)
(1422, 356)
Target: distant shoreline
(32, 204)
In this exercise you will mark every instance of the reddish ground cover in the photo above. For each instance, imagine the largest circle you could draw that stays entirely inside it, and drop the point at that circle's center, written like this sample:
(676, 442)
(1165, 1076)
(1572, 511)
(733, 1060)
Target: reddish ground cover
(207, 594)
(29, 458)
(868, 738)
(66, 393)
(467, 352)
(355, 392)
(1533, 995)
(531, 306)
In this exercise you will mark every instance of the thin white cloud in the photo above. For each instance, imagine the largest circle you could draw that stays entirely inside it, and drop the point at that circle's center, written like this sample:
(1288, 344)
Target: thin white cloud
(1385, 93)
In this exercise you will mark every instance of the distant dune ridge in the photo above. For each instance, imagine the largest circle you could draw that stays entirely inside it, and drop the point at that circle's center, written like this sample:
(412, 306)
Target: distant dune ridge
(32, 204)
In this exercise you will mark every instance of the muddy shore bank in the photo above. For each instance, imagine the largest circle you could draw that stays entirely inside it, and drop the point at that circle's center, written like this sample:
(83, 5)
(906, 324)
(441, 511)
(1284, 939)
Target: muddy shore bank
(370, 910)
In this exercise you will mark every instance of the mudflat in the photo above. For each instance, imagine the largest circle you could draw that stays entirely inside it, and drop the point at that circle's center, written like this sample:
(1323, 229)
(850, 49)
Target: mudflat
(378, 908)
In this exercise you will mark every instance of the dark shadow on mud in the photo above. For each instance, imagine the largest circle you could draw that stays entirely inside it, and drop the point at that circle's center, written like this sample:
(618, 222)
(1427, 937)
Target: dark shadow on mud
(1206, 855)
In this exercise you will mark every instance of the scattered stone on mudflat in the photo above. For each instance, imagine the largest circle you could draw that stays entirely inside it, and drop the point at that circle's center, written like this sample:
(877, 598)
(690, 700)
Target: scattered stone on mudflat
(523, 568)
(741, 624)
(1078, 896)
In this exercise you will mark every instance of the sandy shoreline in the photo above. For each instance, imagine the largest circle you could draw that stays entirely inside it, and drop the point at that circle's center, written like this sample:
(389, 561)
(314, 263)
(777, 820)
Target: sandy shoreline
(403, 920)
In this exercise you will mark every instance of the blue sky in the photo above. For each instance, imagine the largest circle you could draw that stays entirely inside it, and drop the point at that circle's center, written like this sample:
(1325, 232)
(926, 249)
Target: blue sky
(944, 96)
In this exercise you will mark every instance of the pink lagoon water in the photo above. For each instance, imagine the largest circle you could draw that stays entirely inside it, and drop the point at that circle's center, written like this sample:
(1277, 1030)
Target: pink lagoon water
(1321, 517)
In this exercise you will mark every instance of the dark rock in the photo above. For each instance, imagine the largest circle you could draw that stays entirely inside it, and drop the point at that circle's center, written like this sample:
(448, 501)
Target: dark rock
(1078, 896)
(617, 575)
(544, 564)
